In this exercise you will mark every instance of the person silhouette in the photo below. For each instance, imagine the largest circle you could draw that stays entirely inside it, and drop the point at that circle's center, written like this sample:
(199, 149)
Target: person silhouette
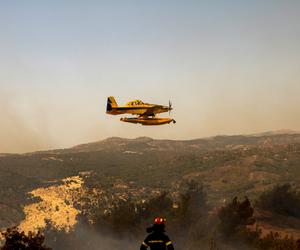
(157, 239)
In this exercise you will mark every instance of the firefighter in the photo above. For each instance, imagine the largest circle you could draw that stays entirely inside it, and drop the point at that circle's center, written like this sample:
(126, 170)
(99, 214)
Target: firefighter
(157, 239)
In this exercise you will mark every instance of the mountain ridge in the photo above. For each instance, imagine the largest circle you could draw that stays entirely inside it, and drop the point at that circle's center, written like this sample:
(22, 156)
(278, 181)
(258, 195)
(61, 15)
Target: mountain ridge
(83, 146)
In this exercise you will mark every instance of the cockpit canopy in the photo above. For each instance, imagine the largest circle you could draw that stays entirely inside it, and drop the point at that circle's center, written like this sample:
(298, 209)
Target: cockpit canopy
(135, 103)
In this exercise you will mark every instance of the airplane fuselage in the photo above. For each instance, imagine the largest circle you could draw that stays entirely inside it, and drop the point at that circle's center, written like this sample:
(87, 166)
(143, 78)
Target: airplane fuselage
(137, 110)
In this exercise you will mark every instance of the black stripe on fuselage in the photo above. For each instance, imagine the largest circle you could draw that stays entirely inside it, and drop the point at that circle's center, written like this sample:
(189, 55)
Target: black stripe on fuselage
(132, 108)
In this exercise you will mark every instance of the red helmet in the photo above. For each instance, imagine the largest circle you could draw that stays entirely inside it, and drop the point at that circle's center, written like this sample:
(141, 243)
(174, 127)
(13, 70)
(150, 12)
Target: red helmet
(159, 221)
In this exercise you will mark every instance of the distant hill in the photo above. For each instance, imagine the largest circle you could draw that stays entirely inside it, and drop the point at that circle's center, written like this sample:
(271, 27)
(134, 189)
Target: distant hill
(226, 165)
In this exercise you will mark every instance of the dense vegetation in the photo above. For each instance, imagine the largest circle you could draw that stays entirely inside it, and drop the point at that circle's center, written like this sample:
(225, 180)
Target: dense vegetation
(202, 215)
(191, 223)
(15, 240)
(228, 165)
(282, 199)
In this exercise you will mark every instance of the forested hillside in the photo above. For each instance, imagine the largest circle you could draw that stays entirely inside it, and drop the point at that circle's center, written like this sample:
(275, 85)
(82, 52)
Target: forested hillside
(92, 180)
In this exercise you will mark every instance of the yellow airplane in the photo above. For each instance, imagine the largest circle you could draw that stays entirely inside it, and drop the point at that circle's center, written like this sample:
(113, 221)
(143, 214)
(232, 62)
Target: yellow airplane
(145, 112)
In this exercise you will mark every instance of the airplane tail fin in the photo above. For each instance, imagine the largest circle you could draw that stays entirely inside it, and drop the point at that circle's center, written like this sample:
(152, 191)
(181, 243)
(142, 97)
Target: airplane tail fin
(111, 103)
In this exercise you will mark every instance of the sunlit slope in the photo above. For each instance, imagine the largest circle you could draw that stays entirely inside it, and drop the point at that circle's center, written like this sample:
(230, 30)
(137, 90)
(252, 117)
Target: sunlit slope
(227, 165)
(55, 205)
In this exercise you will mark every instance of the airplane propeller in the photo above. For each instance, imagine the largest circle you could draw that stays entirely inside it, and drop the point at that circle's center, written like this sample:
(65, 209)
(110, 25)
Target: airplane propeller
(170, 107)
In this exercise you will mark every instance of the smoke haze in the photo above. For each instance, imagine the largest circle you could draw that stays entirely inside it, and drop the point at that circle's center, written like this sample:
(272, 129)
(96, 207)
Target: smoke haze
(224, 66)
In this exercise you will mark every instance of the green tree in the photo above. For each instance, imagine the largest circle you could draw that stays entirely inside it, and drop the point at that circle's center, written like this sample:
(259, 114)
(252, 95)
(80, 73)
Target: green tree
(19, 240)
(235, 216)
(282, 199)
(192, 204)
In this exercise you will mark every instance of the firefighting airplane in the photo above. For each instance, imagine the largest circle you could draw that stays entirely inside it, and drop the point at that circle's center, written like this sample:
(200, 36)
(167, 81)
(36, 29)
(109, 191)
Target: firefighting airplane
(145, 112)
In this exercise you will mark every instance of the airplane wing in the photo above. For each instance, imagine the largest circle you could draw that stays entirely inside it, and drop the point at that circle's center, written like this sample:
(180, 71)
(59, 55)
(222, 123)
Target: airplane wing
(150, 111)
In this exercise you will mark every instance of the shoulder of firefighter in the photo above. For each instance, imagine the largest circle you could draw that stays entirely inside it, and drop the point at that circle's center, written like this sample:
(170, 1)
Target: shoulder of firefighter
(157, 241)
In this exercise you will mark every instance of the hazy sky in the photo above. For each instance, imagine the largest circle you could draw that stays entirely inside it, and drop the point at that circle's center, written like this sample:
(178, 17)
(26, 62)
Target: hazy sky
(229, 67)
